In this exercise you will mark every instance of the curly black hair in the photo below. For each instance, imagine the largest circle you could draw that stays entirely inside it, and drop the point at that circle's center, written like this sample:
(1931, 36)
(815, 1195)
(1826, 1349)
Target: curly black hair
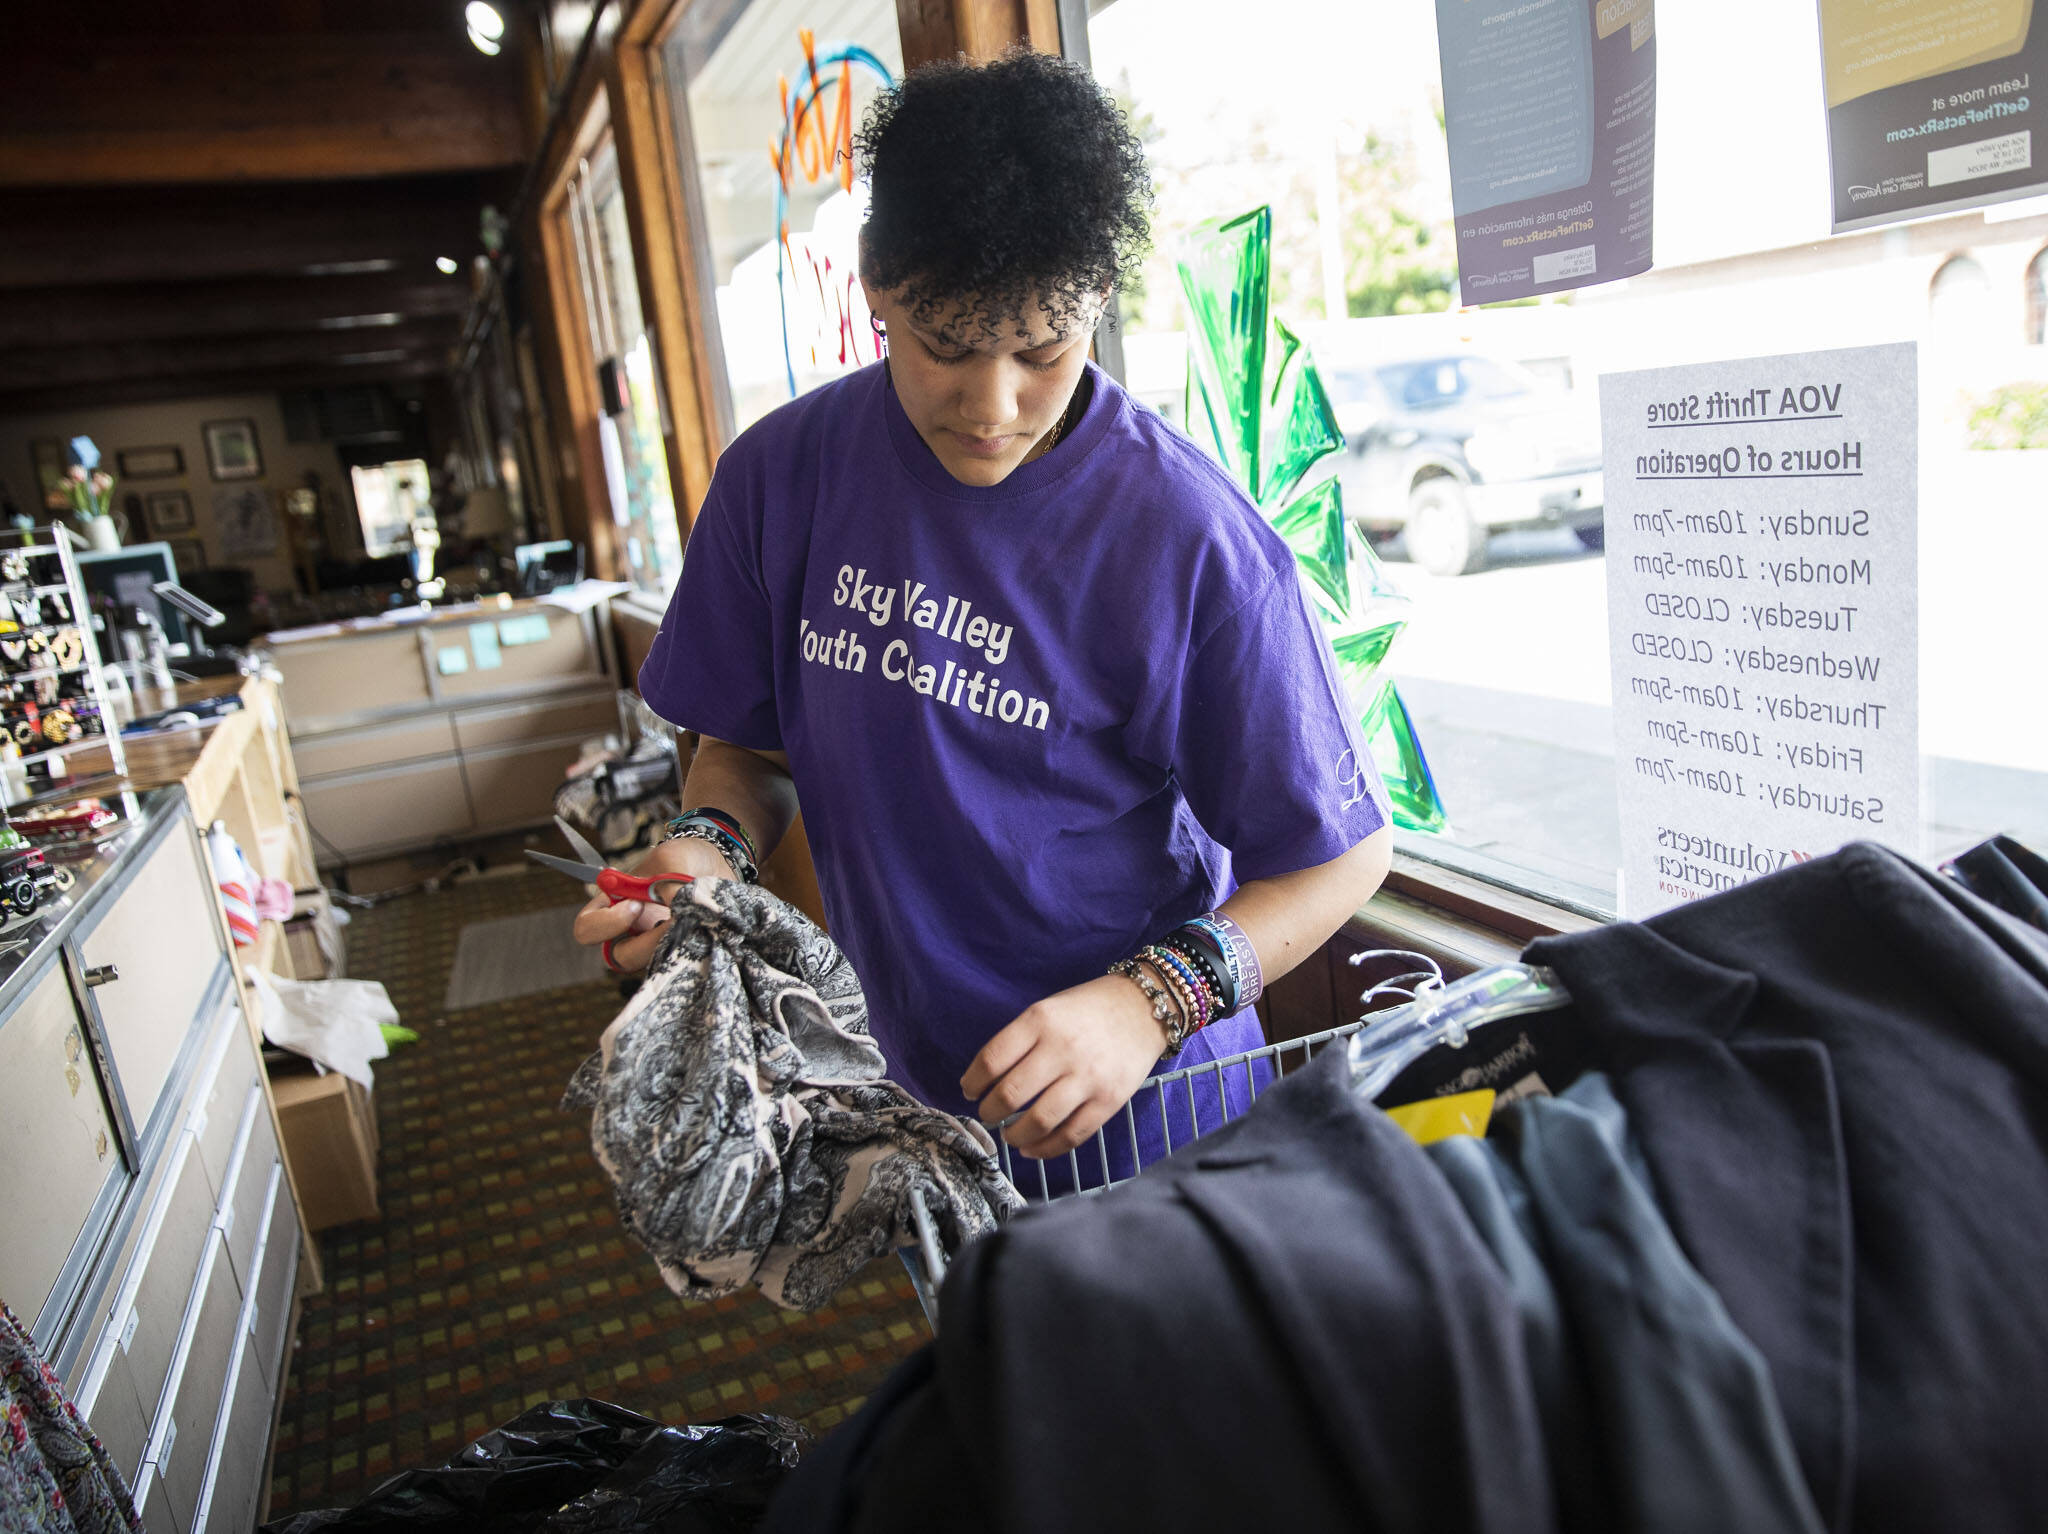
(1000, 185)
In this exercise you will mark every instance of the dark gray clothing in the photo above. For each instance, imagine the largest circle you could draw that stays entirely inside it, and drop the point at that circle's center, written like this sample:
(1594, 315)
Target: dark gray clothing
(737, 1105)
(1659, 1413)
(1839, 1078)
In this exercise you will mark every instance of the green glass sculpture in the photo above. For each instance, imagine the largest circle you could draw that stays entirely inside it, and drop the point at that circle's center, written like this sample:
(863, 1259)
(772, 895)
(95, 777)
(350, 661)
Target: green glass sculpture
(1254, 398)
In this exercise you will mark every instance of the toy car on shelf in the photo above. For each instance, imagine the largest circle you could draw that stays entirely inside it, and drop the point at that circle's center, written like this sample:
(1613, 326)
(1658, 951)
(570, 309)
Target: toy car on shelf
(66, 825)
(25, 874)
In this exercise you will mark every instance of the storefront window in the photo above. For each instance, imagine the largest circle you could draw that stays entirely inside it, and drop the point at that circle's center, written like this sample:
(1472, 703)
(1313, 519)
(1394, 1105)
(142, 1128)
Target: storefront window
(632, 415)
(766, 96)
(1463, 427)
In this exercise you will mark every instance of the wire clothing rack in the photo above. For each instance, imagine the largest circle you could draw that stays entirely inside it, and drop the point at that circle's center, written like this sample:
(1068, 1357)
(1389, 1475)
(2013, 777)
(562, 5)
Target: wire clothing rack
(1205, 1092)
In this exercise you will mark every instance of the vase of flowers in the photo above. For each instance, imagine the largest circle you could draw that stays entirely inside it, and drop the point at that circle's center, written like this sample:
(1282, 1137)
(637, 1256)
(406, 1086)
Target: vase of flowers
(90, 490)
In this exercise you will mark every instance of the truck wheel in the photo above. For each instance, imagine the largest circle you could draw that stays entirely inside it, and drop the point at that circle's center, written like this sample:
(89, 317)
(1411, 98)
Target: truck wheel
(1594, 537)
(1442, 535)
(21, 895)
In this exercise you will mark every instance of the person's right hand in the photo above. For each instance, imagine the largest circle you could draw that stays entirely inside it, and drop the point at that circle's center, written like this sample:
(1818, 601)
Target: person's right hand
(636, 924)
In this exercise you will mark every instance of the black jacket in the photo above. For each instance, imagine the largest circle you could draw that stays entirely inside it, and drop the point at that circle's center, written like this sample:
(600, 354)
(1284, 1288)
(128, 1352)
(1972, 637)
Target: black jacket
(1839, 1077)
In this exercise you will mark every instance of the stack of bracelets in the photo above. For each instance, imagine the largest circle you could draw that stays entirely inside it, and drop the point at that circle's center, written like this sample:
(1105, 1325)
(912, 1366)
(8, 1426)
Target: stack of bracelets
(725, 833)
(1205, 969)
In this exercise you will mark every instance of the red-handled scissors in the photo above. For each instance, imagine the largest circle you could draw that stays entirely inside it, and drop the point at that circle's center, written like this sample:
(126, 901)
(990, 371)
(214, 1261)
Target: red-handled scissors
(614, 883)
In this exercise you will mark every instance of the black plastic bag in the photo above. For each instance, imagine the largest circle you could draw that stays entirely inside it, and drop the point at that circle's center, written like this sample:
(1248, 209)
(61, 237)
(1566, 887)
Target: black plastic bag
(566, 1467)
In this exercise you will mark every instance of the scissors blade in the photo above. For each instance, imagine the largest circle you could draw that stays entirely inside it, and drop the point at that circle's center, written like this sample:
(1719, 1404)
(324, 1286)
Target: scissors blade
(586, 872)
(578, 843)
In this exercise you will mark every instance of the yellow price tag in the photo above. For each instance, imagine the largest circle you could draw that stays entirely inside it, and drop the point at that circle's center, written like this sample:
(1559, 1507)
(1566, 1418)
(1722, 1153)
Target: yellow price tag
(1438, 1118)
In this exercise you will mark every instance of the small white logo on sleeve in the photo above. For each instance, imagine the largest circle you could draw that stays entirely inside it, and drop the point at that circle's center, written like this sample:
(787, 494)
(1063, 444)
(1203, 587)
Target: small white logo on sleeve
(1352, 776)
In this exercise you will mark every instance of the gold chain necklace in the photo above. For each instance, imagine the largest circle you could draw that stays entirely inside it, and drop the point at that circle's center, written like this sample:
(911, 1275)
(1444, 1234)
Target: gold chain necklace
(1059, 427)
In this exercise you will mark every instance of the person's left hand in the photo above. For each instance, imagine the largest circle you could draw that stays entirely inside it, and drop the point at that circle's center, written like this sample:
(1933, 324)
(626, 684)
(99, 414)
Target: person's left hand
(1075, 1058)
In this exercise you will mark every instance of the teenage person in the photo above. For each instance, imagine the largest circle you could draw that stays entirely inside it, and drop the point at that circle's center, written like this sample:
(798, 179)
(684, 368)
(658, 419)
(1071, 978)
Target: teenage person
(1041, 676)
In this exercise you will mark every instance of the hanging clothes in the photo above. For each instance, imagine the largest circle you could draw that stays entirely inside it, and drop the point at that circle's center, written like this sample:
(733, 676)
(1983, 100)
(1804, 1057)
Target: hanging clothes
(55, 1476)
(1659, 1413)
(1839, 1077)
(738, 1106)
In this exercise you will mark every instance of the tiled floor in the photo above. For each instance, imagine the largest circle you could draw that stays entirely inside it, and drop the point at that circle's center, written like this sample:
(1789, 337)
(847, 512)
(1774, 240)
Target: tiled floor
(498, 1275)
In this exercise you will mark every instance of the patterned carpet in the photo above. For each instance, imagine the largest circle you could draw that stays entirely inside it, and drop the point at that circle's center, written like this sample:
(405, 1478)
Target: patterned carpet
(499, 1276)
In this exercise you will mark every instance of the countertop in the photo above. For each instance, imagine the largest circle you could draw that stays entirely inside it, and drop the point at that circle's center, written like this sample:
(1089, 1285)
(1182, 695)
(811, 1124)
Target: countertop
(570, 599)
(154, 790)
(96, 875)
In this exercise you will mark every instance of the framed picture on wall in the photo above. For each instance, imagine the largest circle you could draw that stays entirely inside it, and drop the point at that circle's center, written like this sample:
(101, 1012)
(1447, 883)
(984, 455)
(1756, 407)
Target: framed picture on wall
(170, 511)
(151, 462)
(231, 450)
(188, 554)
(244, 523)
(47, 453)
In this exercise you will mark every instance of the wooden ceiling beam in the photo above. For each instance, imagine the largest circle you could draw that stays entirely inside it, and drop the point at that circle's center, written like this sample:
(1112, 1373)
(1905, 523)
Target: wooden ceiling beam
(62, 27)
(291, 108)
(81, 316)
(26, 368)
(140, 391)
(57, 236)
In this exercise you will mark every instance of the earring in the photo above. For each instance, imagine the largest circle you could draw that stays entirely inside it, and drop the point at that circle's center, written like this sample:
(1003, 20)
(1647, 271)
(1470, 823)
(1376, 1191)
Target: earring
(881, 330)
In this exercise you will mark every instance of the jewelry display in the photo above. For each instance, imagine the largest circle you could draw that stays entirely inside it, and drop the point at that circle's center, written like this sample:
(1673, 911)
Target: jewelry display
(52, 700)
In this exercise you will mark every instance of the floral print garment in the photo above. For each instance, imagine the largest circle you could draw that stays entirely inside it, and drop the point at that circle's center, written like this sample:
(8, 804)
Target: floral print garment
(55, 1476)
(738, 1106)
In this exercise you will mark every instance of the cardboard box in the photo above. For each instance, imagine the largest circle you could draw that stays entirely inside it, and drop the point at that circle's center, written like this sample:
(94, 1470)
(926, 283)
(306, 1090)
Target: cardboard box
(302, 943)
(330, 1143)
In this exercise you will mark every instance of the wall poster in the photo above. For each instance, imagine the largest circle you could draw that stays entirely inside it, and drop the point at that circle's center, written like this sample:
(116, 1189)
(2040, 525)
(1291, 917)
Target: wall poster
(1930, 106)
(1550, 109)
(1763, 614)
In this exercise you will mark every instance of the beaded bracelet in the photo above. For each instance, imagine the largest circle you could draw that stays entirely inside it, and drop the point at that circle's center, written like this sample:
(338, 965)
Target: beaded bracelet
(1192, 1006)
(1164, 1011)
(1199, 990)
(1179, 972)
(720, 820)
(1207, 963)
(737, 851)
(728, 823)
(1176, 987)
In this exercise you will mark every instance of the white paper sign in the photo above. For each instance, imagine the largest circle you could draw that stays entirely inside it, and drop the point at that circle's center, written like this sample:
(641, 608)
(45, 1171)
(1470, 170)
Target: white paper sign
(1762, 588)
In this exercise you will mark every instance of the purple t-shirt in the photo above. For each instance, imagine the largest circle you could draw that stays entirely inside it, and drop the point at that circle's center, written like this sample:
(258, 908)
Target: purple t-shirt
(1025, 720)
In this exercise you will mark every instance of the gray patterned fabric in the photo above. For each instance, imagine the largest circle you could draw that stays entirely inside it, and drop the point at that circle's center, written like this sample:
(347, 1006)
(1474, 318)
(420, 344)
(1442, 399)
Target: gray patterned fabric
(737, 1105)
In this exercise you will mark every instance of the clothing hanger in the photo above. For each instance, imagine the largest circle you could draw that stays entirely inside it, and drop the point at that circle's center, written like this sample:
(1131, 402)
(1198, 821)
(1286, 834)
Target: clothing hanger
(1397, 1039)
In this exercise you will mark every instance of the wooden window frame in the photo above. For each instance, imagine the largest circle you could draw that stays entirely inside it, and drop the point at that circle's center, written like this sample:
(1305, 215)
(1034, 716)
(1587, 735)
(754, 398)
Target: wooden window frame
(664, 204)
(659, 189)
